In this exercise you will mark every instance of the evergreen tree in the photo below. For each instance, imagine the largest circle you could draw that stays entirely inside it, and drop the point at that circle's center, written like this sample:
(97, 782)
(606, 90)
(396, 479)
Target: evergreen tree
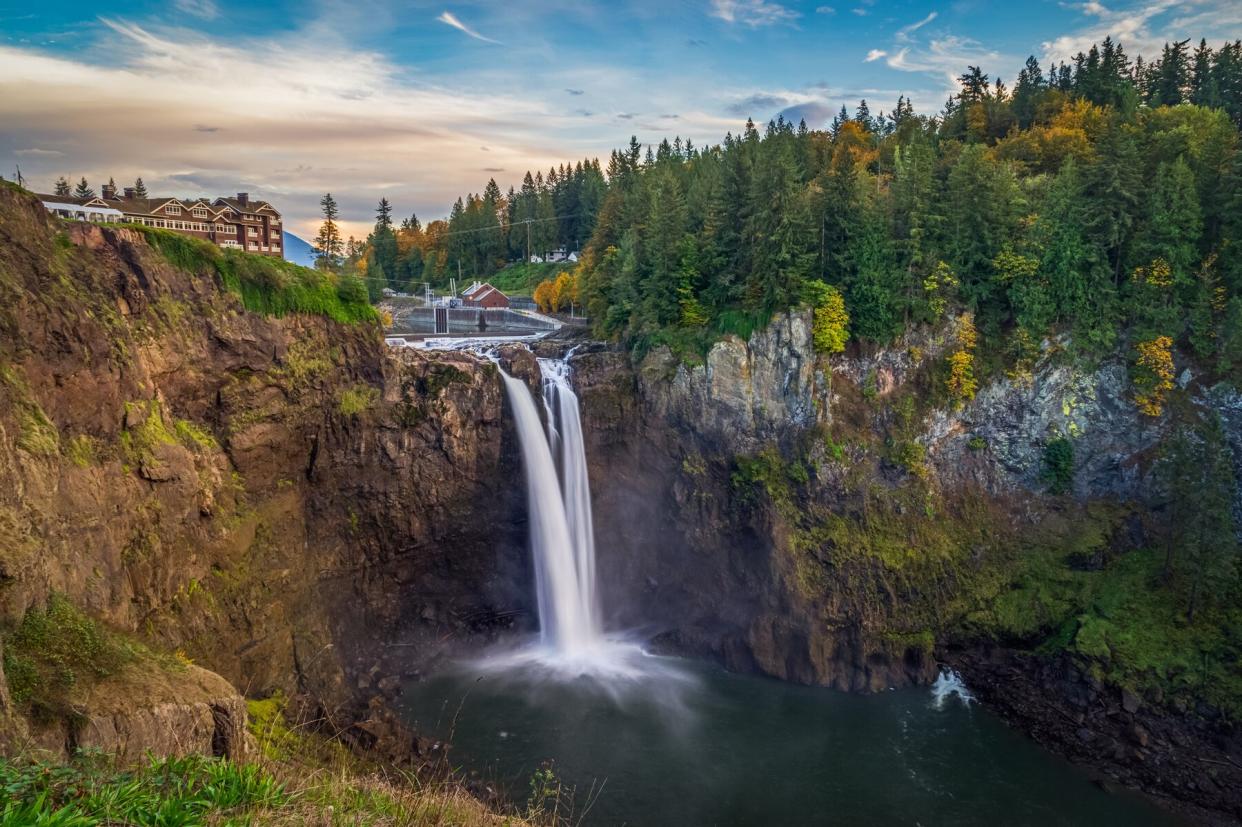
(382, 252)
(329, 247)
(1202, 547)
(83, 189)
(1170, 79)
(140, 189)
(62, 187)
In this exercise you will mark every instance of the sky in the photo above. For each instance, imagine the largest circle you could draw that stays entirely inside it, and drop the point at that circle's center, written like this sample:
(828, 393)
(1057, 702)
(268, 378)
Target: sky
(421, 102)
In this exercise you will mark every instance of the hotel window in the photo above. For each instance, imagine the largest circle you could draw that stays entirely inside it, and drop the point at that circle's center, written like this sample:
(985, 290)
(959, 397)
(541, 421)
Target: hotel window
(200, 212)
(252, 231)
(171, 210)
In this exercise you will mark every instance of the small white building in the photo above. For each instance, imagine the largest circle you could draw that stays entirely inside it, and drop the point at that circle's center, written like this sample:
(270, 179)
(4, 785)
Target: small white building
(90, 211)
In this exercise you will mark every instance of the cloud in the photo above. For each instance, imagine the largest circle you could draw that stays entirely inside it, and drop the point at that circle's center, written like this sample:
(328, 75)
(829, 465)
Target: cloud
(450, 19)
(860, 12)
(493, 169)
(289, 134)
(1145, 27)
(825, 10)
(752, 13)
(202, 9)
(946, 57)
(576, 91)
(874, 54)
(627, 116)
(758, 103)
(903, 34)
(815, 113)
(694, 41)
(36, 152)
(204, 128)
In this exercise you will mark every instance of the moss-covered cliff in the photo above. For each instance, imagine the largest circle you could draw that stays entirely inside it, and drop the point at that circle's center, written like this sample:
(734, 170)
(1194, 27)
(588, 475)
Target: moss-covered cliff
(221, 458)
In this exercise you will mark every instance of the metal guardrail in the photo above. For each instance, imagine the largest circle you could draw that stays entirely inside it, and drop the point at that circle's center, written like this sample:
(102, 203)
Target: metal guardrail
(470, 320)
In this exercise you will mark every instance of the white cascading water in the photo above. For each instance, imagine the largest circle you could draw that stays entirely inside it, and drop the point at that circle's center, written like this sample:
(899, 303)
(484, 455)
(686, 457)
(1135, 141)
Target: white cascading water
(572, 642)
(561, 533)
(565, 439)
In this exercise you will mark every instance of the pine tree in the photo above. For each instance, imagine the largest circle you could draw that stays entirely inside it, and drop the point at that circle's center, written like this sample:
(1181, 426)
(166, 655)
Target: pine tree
(1202, 546)
(1170, 76)
(1078, 277)
(83, 190)
(382, 251)
(329, 247)
(1026, 92)
(62, 187)
(140, 189)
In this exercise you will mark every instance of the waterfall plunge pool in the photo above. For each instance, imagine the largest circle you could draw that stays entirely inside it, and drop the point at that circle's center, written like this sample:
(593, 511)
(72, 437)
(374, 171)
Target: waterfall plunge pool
(694, 745)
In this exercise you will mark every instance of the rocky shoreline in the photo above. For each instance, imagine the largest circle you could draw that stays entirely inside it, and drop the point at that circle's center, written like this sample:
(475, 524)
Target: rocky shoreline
(1189, 762)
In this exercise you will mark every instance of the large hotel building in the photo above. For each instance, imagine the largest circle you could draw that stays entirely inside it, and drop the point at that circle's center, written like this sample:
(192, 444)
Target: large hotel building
(237, 223)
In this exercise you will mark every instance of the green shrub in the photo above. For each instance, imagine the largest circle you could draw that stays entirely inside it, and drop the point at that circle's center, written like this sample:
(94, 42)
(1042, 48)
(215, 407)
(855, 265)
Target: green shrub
(55, 649)
(1059, 465)
(266, 285)
(355, 400)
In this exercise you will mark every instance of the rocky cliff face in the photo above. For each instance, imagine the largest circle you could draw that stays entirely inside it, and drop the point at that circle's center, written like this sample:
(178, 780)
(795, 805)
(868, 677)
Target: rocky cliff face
(685, 557)
(841, 527)
(278, 497)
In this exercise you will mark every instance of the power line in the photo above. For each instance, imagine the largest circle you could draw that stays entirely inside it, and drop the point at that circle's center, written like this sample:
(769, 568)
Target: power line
(527, 221)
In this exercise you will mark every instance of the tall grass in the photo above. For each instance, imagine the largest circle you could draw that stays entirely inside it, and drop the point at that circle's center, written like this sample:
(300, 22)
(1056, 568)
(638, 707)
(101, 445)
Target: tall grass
(266, 285)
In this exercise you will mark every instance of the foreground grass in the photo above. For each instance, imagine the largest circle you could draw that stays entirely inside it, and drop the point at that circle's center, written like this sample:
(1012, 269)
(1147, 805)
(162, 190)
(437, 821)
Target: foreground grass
(296, 778)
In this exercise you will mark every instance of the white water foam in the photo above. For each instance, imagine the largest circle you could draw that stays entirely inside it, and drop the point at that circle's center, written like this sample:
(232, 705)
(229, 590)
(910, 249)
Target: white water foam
(948, 684)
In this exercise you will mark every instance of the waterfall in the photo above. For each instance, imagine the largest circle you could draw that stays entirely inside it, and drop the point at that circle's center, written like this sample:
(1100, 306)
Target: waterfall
(561, 533)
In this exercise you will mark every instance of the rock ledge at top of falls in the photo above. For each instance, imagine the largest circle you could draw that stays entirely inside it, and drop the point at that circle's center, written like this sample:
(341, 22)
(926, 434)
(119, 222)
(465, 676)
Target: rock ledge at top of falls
(745, 393)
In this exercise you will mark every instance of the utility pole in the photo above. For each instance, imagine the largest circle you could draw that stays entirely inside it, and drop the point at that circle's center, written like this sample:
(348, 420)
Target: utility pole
(528, 241)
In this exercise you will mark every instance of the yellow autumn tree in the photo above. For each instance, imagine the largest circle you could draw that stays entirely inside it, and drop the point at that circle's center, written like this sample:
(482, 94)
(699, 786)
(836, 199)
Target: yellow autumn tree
(962, 383)
(830, 326)
(562, 292)
(1153, 374)
(544, 296)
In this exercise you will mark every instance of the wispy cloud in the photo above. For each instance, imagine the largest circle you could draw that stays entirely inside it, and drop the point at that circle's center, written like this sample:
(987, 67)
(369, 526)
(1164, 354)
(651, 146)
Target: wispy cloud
(37, 152)
(945, 57)
(825, 10)
(874, 54)
(202, 9)
(311, 94)
(576, 92)
(1145, 27)
(450, 19)
(861, 12)
(903, 34)
(753, 13)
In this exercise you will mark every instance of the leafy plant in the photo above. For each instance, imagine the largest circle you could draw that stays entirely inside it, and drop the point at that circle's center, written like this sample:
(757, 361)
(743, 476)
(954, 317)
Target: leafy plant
(1059, 465)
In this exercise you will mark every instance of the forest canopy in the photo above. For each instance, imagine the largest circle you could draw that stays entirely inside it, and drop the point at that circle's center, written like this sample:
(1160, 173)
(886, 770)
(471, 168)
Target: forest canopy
(1101, 198)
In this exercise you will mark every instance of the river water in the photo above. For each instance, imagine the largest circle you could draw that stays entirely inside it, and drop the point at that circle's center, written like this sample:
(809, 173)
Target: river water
(694, 745)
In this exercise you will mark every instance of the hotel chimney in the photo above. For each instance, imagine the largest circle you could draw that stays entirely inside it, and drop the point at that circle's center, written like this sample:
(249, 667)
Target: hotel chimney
(109, 192)
(129, 192)
(243, 198)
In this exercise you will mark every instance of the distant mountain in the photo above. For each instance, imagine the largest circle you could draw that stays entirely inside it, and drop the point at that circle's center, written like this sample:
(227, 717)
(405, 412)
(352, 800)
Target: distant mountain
(299, 251)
